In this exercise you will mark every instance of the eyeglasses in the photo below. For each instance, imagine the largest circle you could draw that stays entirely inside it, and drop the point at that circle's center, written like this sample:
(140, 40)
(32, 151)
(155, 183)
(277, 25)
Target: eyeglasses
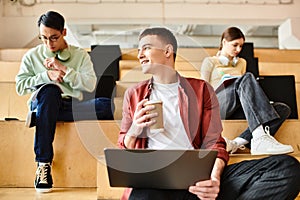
(52, 38)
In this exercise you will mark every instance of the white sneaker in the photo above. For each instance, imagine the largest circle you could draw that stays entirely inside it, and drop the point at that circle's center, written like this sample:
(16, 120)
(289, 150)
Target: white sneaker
(268, 145)
(232, 146)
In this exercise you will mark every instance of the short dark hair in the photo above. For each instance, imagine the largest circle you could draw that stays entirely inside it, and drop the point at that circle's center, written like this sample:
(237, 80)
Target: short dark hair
(164, 34)
(230, 34)
(53, 20)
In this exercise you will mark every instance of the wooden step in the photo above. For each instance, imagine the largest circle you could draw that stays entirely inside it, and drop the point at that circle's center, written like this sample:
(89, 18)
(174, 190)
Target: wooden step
(131, 71)
(9, 70)
(11, 104)
(73, 164)
(122, 86)
(12, 54)
(78, 160)
(136, 75)
(87, 139)
(179, 65)
(198, 54)
(191, 54)
(14, 106)
(277, 55)
(88, 193)
(235, 158)
(287, 134)
(133, 75)
(272, 68)
(104, 191)
(118, 101)
(56, 194)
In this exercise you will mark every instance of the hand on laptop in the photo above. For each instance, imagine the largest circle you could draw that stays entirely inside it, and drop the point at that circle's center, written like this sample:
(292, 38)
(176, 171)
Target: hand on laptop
(208, 189)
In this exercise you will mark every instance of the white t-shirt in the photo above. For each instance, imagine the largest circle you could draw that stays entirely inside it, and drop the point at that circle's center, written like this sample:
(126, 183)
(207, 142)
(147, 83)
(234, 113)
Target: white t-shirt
(174, 135)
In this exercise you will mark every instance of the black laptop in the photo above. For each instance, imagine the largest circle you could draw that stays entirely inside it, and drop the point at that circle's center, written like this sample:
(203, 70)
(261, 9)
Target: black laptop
(281, 88)
(160, 169)
(278, 88)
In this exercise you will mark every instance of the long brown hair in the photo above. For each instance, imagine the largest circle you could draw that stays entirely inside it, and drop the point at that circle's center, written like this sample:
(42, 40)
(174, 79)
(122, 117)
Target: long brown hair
(231, 33)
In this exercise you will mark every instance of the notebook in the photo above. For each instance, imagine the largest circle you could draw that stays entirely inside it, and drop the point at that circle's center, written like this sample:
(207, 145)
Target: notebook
(159, 169)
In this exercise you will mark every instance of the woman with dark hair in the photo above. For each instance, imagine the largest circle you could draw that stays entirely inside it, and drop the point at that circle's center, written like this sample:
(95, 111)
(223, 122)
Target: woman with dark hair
(237, 89)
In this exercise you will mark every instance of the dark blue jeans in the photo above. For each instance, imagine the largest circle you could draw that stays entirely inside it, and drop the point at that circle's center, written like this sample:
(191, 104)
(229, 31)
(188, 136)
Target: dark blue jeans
(51, 107)
(271, 178)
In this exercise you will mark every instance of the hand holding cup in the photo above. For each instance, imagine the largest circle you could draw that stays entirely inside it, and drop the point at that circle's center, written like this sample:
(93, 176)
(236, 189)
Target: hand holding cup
(158, 118)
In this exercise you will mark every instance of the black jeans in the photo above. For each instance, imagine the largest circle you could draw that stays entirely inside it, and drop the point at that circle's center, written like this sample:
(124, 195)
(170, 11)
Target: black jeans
(272, 178)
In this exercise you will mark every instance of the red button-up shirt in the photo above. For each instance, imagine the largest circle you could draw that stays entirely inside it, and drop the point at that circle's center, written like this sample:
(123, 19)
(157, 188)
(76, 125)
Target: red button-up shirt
(199, 111)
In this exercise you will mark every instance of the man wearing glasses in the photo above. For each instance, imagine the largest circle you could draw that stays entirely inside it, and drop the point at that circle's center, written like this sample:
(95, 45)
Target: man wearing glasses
(56, 74)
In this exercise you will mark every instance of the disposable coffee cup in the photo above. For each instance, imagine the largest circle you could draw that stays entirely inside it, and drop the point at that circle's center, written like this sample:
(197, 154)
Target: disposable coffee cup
(159, 125)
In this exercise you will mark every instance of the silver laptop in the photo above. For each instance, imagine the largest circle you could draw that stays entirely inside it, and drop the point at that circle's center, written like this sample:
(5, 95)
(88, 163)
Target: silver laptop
(160, 169)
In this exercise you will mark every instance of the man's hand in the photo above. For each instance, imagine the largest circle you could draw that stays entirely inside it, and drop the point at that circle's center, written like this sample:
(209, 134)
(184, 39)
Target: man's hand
(54, 64)
(56, 75)
(141, 119)
(56, 71)
(209, 189)
(206, 190)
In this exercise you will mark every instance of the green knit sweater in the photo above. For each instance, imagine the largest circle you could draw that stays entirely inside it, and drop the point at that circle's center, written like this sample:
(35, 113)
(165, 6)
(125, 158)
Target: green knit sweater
(80, 75)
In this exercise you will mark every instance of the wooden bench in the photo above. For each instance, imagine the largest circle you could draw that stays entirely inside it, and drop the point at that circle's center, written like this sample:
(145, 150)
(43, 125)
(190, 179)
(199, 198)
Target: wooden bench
(17, 141)
(288, 133)
(86, 139)
(15, 54)
(11, 104)
(198, 54)
(185, 53)
(73, 165)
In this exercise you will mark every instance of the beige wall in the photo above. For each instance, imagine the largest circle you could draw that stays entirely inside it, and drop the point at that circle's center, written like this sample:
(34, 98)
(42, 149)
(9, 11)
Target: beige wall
(18, 23)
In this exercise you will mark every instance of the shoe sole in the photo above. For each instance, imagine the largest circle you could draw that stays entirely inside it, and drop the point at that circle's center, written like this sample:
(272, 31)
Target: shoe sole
(44, 190)
(271, 153)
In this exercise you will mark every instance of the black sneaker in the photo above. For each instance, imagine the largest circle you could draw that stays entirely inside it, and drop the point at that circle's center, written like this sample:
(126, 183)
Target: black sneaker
(43, 180)
(31, 119)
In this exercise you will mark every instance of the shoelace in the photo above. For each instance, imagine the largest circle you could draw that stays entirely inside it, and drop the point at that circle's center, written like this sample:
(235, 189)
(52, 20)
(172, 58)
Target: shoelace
(267, 130)
(42, 174)
(234, 146)
(270, 137)
(241, 147)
